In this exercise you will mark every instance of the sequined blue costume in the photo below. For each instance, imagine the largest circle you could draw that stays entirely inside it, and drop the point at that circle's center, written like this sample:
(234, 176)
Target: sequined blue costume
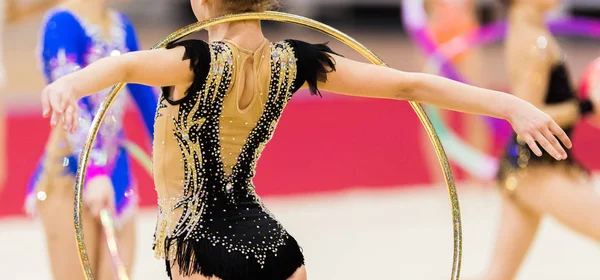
(67, 44)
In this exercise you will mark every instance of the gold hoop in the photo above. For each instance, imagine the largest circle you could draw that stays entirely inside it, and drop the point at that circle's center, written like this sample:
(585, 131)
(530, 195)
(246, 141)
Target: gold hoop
(280, 17)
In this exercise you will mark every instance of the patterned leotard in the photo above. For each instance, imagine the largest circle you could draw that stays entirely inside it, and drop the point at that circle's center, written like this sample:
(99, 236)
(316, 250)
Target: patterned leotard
(210, 220)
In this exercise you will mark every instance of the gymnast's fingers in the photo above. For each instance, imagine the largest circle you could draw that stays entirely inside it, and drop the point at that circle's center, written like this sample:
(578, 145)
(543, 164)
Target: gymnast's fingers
(75, 120)
(68, 117)
(55, 103)
(541, 139)
(561, 134)
(45, 103)
(532, 145)
(549, 136)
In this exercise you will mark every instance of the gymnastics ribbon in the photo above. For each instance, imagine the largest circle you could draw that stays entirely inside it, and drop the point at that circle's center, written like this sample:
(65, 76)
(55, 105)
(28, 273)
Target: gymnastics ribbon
(441, 56)
(139, 155)
(440, 61)
(460, 152)
(415, 22)
(280, 17)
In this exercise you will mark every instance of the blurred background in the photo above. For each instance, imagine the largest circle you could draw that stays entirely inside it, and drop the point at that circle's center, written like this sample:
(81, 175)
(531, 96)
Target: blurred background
(352, 179)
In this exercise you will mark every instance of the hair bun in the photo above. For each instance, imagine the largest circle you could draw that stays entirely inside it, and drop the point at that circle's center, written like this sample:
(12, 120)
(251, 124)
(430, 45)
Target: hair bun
(245, 6)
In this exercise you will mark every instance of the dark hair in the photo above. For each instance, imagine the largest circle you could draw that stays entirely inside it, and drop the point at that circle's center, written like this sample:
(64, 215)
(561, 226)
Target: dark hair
(506, 3)
(246, 6)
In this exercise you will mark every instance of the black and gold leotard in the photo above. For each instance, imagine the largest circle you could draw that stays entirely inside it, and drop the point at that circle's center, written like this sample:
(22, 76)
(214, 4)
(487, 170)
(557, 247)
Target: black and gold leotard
(211, 221)
(517, 155)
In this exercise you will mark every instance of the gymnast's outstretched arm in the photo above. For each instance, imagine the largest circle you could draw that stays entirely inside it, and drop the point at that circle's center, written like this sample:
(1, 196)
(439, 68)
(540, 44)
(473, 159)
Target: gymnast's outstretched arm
(161, 67)
(166, 68)
(367, 80)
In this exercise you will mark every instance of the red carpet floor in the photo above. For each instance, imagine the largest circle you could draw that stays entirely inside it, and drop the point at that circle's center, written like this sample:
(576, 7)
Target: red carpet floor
(320, 146)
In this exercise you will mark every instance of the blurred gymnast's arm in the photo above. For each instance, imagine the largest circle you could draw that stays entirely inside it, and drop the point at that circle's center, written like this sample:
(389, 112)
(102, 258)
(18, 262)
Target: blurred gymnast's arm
(15, 13)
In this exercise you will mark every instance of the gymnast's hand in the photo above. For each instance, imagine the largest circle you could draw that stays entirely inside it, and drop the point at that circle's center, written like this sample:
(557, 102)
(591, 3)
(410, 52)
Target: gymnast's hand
(99, 194)
(535, 127)
(60, 104)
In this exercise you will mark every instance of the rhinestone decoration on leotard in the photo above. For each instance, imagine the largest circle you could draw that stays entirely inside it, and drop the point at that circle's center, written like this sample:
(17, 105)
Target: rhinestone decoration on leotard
(214, 205)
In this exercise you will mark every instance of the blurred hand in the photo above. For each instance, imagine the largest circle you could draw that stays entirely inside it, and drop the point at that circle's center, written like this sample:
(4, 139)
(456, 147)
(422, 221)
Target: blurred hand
(59, 103)
(532, 125)
(16, 12)
(99, 194)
